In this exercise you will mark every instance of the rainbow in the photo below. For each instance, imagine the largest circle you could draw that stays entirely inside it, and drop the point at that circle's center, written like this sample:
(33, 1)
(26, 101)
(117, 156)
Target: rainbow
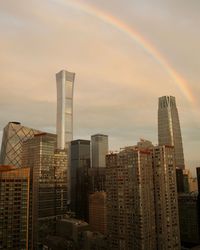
(141, 41)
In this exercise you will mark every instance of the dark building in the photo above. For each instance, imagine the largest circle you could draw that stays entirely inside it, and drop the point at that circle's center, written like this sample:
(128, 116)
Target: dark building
(79, 167)
(11, 148)
(186, 181)
(94, 241)
(198, 178)
(189, 219)
(68, 235)
(49, 186)
(179, 180)
(14, 207)
(73, 234)
(97, 179)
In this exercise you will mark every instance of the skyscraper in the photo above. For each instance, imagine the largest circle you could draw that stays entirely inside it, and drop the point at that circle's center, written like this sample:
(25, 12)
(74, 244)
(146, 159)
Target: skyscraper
(49, 186)
(169, 131)
(130, 200)
(166, 201)
(80, 163)
(99, 144)
(65, 87)
(13, 136)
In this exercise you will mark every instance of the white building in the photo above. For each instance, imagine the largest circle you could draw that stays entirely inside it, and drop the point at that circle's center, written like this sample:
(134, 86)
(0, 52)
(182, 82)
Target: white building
(65, 87)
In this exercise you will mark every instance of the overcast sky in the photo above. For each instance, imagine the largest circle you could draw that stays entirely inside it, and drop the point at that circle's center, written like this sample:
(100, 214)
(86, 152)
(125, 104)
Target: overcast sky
(117, 82)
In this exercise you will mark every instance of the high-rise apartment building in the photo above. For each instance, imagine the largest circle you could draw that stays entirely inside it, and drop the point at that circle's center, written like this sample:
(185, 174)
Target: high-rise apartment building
(80, 163)
(14, 207)
(13, 136)
(169, 131)
(99, 148)
(98, 212)
(142, 204)
(49, 185)
(166, 202)
(65, 88)
(130, 200)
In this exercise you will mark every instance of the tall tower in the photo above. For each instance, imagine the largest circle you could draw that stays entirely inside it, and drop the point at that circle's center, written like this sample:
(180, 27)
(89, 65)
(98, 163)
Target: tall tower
(65, 88)
(169, 131)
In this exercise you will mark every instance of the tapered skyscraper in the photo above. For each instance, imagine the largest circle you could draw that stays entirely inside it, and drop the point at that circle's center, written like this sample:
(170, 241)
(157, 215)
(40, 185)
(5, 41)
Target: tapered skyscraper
(65, 87)
(169, 131)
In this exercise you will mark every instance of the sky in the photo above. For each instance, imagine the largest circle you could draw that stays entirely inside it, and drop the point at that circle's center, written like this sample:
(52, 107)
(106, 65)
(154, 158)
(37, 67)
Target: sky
(118, 79)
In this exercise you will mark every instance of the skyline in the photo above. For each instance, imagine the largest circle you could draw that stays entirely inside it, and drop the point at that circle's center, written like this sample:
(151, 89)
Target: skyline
(123, 102)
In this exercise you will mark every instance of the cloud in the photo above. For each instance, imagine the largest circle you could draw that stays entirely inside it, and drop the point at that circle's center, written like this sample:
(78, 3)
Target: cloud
(117, 84)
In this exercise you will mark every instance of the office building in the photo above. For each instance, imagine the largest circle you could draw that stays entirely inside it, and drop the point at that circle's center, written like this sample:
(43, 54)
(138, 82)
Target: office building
(166, 203)
(169, 131)
(98, 212)
(80, 163)
(130, 200)
(99, 148)
(49, 186)
(13, 136)
(14, 207)
(65, 88)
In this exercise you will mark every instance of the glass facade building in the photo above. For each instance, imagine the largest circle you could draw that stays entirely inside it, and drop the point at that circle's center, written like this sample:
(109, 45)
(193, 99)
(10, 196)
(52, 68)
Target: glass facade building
(169, 131)
(13, 136)
(80, 163)
(99, 147)
(65, 88)
(14, 207)
(49, 185)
